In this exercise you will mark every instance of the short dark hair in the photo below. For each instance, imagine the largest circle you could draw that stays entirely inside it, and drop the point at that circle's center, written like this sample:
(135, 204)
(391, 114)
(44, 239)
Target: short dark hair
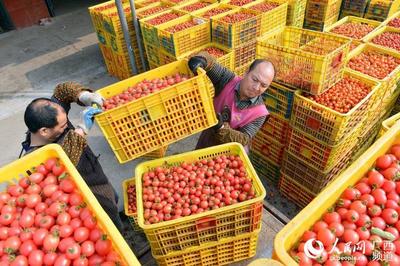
(40, 113)
(259, 61)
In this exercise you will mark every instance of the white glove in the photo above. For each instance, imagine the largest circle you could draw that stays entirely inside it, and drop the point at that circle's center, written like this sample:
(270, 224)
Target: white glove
(88, 98)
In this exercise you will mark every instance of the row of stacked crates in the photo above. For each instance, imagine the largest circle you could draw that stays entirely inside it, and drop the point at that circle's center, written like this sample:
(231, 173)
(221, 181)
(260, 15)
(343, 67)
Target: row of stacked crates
(378, 10)
(109, 32)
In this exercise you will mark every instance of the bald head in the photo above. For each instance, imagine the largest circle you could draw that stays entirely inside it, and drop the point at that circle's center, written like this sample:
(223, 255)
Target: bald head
(41, 112)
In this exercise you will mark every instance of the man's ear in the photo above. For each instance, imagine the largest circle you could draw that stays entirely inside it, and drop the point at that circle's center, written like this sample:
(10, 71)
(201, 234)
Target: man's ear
(44, 131)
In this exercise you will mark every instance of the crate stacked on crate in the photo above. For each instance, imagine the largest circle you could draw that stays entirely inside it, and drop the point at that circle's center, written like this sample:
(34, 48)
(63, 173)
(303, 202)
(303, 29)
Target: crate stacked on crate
(355, 28)
(51, 162)
(325, 129)
(239, 29)
(203, 233)
(270, 142)
(154, 109)
(354, 8)
(358, 179)
(392, 21)
(111, 40)
(296, 12)
(194, 5)
(381, 9)
(321, 14)
(382, 65)
(388, 123)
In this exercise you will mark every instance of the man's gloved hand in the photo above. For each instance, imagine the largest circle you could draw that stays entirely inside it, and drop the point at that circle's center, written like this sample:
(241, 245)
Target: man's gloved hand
(87, 117)
(88, 98)
(201, 59)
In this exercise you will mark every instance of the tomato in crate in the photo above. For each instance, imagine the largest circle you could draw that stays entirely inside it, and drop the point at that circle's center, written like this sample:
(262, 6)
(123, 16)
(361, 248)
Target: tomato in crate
(195, 5)
(59, 220)
(129, 190)
(213, 10)
(199, 212)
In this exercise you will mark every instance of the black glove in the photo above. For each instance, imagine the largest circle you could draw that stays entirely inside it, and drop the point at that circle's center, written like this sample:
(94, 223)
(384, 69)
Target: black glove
(226, 114)
(220, 122)
(196, 62)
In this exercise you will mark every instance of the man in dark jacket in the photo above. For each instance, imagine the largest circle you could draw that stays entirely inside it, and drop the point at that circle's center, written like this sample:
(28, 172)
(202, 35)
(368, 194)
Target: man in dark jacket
(47, 122)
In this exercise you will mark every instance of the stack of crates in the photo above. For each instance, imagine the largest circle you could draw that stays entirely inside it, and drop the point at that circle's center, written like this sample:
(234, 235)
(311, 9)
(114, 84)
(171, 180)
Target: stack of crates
(220, 236)
(296, 12)
(163, 46)
(388, 93)
(319, 140)
(381, 9)
(269, 144)
(353, 8)
(321, 14)
(263, 16)
(111, 39)
(346, 27)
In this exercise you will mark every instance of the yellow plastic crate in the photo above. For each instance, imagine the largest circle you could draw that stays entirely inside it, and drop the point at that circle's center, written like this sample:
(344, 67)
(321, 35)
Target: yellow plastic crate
(196, 230)
(176, 2)
(295, 192)
(150, 32)
(244, 54)
(160, 153)
(276, 127)
(353, 8)
(131, 215)
(312, 179)
(152, 9)
(144, 3)
(153, 53)
(267, 147)
(241, 71)
(327, 125)
(381, 9)
(381, 30)
(279, 100)
(388, 84)
(235, 34)
(194, 5)
(265, 169)
(294, 230)
(368, 136)
(161, 118)
(271, 19)
(12, 172)
(388, 123)
(186, 40)
(321, 14)
(389, 19)
(207, 11)
(354, 20)
(308, 60)
(224, 252)
(226, 60)
(296, 12)
(389, 102)
(316, 153)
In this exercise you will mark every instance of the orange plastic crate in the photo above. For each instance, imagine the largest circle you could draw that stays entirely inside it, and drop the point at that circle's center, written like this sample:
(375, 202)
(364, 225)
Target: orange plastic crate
(276, 128)
(267, 147)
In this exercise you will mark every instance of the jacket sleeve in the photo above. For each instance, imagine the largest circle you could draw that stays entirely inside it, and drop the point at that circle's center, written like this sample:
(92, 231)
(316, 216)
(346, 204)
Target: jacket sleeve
(67, 93)
(73, 144)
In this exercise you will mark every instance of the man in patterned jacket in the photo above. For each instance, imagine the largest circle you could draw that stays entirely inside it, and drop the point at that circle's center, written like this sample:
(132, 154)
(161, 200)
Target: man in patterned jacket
(47, 122)
(238, 103)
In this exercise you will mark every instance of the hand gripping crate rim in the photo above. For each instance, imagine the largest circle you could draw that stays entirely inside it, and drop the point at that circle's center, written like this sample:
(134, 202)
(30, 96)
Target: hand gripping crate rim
(378, 32)
(17, 169)
(186, 40)
(159, 234)
(131, 215)
(273, 18)
(291, 233)
(152, 104)
(232, 34)
(350, 19)
(317, 82)
(333, 125)
(223, 252)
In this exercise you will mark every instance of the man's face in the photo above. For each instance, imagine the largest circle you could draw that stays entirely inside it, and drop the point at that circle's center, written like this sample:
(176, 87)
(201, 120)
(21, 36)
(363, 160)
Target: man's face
(256, 81)
(53, 133)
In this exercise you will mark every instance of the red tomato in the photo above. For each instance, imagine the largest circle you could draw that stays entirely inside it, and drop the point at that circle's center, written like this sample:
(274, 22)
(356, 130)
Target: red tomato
(73, 251)
(383, 161)
(87, 248)
(27, 247)
(36, 258)
(62, 260)
(103, 245)
(50, 258)
(81, 234)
